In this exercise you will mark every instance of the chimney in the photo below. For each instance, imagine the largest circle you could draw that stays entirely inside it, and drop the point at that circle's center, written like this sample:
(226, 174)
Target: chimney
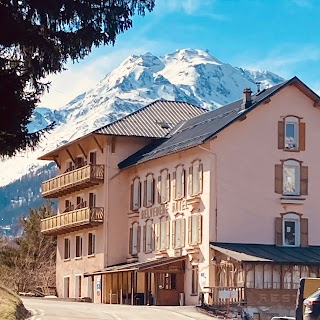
(246, 102)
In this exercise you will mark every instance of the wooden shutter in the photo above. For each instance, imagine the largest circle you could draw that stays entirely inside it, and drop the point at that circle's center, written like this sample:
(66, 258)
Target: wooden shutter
(130, 241)
(304, 232)
(183, 231)
(167, 224)
(131, 197)
(199, 228)
(139, 194)
(183, 187)
(153, 237)
(139, 239)
(159, 189)
(303, 180)
(157, 236)
(189, 230)
(91, 199)
(281, 135)
(144, 238)
(174, 178)
(200, 177)
(152, 191)
(278, 231)
(174, 233)
(145, 193)
(302, 136)
(278, 183)
(190, 181)
(168, 188)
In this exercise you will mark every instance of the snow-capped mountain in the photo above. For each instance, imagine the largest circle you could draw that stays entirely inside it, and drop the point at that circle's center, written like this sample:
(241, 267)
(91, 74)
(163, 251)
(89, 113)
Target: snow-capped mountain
(189, 75)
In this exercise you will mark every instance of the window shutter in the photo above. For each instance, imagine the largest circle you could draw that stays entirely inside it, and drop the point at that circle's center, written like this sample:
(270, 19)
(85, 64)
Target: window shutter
(190, 181)
(157, 236)
(130, 241)
(139, 195)
(153, 244)
(278, 231)
(183, 231)
(168, 188)
(200, 177)
(200, 228)
(144, 238)
(278, 184)
(189, 230)
(139, 239)
(152, 191)
(281, 135)
(302, 136)
(173, 233)
(183, 187)
(174, 178)
(303, 180)
(131, 197)
(159, 189)
(145, 193)
(168, 234)
(304, 232)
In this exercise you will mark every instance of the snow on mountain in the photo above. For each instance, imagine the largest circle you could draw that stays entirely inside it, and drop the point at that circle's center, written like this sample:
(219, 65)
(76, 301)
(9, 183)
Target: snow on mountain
(188, 75)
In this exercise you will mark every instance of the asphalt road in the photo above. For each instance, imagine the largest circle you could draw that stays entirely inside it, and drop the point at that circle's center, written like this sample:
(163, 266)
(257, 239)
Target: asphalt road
(49, 309)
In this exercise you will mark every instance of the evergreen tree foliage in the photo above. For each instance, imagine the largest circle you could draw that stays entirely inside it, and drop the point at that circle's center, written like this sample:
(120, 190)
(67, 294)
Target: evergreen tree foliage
(37, 37)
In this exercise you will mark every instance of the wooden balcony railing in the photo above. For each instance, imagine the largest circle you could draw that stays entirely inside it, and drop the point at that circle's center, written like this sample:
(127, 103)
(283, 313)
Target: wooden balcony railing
(227, 295)
(73, 180)
(71, 221)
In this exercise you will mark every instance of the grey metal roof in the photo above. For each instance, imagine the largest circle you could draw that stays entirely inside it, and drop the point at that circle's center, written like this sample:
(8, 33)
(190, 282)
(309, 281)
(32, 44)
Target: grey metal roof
(248, 252)
(203, 127)
(153, 121)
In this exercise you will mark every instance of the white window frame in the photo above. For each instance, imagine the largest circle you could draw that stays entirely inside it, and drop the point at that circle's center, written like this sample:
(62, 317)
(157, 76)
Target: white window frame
(291, 217)
(136, 193)
(135, 242)
(149, 237)
(80, 235)
(93, 248)
(69, 248)
(291, 164)
(150, 190)
(295, 122)
(179, 183)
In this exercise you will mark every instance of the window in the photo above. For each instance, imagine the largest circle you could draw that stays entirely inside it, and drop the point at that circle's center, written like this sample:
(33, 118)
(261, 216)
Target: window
(168, 281)
(178, 233)
(148, 199)
(134, 245)
(78, 246)
(179, 183)
(148, 237)
(92, 199)
(91, 243)
(194, 279)
(93, 157)
(69, 166)
(78, 286)
(79, 162)
(135, 202)
(68, 206)
(195, 229)
(291, 230)
(80, 203)
(66, 248)
(195, 178)
(291, 134)
(164, 187)
(164, 233)
(66, 287)
(291, 178)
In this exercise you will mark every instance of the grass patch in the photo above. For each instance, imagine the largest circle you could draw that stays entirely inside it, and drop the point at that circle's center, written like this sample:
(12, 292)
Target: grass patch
(11, 306)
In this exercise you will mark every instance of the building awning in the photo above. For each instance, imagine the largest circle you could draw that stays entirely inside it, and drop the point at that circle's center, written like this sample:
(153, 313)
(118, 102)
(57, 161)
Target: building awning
(136, 266)
(249, 252)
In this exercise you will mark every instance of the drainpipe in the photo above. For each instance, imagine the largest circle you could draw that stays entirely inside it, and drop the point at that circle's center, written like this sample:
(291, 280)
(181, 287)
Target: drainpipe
(215, 159)
(106, 205)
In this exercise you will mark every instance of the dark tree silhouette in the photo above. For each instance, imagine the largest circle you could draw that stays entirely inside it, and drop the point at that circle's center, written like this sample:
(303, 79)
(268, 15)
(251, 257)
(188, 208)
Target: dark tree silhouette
(37, 37)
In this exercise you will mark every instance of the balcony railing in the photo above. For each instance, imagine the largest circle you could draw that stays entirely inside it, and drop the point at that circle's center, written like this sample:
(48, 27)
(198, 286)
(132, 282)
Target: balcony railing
(73, 220)
(73, 180)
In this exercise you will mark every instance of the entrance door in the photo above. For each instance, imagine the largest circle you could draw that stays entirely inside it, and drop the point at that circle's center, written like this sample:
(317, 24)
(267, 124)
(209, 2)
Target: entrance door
(169, 285)
(66, 287)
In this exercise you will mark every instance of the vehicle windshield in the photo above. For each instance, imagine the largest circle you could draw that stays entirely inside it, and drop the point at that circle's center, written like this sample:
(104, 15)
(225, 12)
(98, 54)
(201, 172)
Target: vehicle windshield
(315, 295)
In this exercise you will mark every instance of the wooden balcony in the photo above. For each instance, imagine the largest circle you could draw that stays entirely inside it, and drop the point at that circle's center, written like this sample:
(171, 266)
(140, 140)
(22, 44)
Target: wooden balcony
(227, 295)
(72, 181)
(72, 221)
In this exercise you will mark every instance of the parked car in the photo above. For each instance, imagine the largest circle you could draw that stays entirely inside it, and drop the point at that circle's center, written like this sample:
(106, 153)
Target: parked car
(312, 307)
(283, 318)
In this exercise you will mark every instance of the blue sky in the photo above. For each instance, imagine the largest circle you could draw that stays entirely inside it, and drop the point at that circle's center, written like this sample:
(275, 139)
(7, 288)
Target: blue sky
(281, 36)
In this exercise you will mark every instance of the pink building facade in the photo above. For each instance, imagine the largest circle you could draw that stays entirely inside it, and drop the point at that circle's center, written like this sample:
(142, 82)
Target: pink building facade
(220, 204)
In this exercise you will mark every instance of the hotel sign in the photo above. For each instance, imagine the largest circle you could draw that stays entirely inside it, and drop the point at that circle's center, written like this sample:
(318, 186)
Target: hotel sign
(149, 213)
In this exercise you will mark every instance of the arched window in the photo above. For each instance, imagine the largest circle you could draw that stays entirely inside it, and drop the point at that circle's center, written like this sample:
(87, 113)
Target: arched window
(291, 177)
(291, 229)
